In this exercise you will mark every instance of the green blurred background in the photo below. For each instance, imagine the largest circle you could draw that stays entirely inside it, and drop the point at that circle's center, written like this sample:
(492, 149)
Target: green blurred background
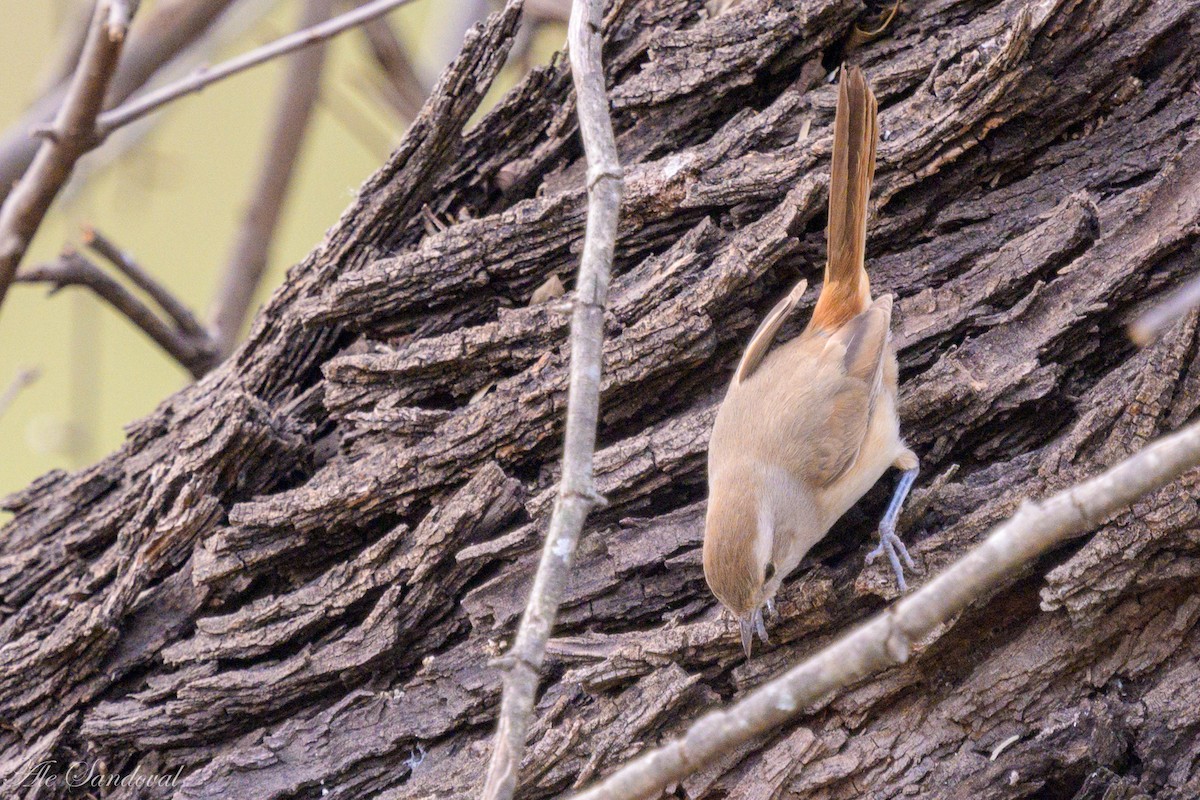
(172, 192)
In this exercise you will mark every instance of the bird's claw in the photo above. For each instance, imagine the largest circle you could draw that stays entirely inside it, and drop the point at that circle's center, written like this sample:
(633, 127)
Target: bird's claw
(891, 544)
(750, 624)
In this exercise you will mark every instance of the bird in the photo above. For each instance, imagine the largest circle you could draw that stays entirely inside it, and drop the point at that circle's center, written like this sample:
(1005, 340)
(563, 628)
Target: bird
(805, 429)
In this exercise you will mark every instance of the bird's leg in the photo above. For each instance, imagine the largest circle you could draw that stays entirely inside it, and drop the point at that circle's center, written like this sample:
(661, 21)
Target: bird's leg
(771, 607)
(889, 542)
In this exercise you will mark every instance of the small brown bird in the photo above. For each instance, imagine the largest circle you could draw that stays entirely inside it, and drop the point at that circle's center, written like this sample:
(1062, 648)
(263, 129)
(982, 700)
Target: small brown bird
(805, 431)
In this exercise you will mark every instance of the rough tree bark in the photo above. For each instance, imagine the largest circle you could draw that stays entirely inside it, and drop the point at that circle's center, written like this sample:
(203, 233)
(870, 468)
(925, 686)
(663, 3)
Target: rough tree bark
(291, 577)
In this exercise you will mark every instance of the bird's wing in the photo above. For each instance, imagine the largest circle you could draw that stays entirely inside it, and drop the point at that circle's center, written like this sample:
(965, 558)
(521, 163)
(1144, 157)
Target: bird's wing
(761, 341)
(827, 433)
(861, 344)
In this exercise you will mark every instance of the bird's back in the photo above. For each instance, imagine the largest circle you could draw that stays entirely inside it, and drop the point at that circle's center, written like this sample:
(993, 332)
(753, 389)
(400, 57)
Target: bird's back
(807, 411)
(765, 418)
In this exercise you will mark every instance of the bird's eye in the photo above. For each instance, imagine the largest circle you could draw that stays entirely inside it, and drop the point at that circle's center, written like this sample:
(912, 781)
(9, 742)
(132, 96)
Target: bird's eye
(769, 572)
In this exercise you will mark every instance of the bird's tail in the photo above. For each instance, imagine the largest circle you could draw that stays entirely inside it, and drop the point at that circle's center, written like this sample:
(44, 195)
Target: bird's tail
(855, 131)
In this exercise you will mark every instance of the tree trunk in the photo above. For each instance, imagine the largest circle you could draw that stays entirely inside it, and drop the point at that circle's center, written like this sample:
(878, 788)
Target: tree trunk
(290, 579)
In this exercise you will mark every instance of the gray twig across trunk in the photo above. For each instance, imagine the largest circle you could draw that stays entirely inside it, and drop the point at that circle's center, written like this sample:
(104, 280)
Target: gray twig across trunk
(291, 578)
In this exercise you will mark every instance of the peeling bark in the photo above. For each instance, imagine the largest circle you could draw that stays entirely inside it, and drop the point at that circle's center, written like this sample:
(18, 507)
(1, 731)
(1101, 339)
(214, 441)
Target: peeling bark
(290, 579)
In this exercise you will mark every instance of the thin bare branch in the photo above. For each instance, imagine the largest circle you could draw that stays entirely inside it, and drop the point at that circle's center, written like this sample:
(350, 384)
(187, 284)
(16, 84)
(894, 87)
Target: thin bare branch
(167, 30)
(195, 353)
(576, 492)
(243, 274)
(180, 314)
(1150, 324)
(120, 14)
(24, 377)
(404, 90)
(151, 101)
(71, 135)
(888, 638)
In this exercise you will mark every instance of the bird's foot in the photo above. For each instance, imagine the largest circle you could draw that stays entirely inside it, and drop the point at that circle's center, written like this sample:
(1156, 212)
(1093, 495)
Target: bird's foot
(890, 544)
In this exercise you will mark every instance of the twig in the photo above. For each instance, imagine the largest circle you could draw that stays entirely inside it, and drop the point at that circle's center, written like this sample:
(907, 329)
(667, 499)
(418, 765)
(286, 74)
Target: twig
(160, 36)
(195, 353)
(243, 274)
(576, 492)
(405, 91)
(151, 101)
(1150, 324)
(23, 378)
(888, 637)
(71, 135)
(177, 311)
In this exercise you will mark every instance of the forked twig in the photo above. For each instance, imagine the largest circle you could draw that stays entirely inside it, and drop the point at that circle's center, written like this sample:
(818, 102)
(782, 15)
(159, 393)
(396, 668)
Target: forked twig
(195, 351)
(162, 34)
(70, 136)
(177, 311)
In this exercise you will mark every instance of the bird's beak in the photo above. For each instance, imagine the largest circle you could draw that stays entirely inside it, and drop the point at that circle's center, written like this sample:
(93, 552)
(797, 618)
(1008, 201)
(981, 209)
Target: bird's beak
(751, 622)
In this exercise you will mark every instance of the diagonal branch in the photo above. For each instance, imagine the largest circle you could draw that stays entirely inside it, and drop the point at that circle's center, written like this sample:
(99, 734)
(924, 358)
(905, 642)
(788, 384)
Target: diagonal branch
(888, 638)
(1153, 322)
(576, 492)
(177, 311)
(80, 127)
(161, 35)
(243, 274)
(194, 352)
(22, 379)
(152, 101)
(404, 90)
(71, 135)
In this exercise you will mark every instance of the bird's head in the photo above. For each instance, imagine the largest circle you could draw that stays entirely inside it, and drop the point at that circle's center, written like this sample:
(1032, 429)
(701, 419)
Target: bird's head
(738, 537)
